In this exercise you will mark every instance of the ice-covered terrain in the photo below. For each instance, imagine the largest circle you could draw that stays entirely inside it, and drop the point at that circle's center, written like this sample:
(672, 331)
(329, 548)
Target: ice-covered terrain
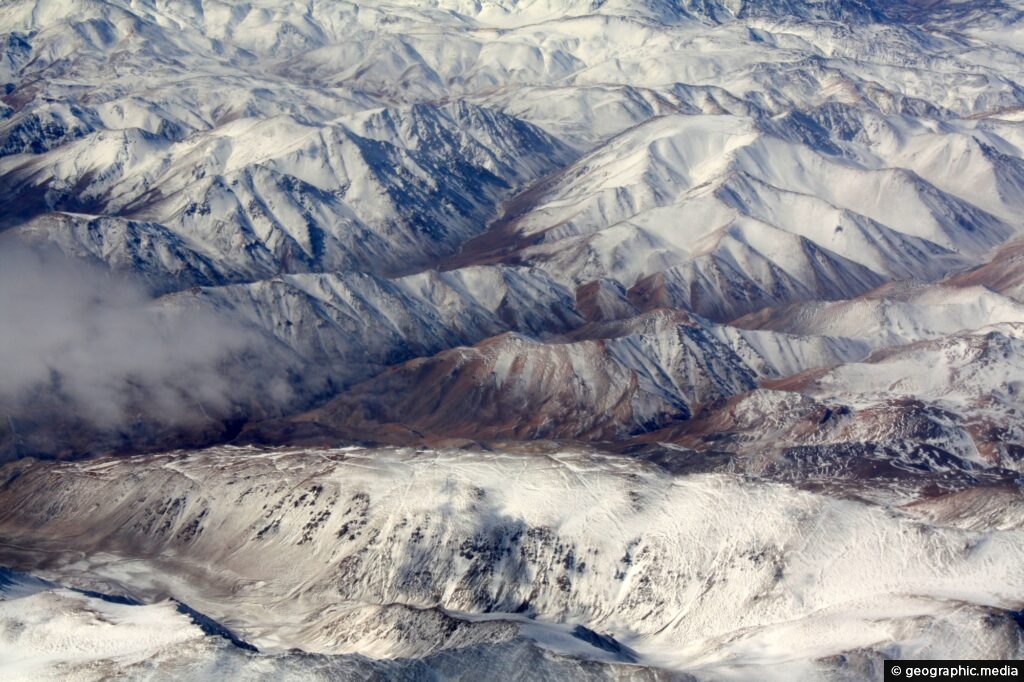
(411, 554)
(349, 186)
(665, 337)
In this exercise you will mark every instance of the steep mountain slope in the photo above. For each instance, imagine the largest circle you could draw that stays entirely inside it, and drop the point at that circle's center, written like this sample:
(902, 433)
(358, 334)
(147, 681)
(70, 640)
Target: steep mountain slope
(936, 415)
(732, 219)
(709, 574)
(52, 632)
(603, 381)
(1003, 273)
(323, 318)
(315, 198)
(892, 315)
(514, 388)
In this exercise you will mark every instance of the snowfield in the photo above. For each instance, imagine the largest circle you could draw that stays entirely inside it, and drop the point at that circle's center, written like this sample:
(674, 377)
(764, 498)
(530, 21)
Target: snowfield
(400, 553)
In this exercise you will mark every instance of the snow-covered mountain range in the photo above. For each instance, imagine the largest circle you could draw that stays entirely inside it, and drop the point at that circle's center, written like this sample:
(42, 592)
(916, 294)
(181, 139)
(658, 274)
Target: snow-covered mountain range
(580, 564)
(765, 249)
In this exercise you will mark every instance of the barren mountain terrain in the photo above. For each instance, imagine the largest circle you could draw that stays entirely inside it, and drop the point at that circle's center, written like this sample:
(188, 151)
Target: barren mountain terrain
(420, 339)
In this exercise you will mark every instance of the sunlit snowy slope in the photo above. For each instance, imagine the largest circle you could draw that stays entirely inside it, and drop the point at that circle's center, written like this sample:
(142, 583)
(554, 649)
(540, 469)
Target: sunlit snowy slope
(301, 173)
(399, 554)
